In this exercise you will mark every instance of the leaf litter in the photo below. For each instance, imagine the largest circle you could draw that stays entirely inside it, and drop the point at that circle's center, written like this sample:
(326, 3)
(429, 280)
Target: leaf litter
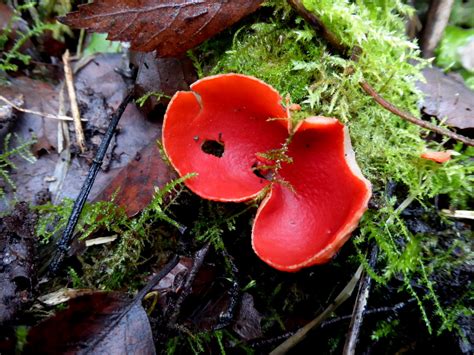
(17, 261)
(170, 27)
(100, 90)
(100, 322)
(447, 99)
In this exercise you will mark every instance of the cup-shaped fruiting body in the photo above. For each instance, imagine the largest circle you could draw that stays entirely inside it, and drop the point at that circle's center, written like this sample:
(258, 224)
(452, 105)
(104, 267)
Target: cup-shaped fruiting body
(223, 129)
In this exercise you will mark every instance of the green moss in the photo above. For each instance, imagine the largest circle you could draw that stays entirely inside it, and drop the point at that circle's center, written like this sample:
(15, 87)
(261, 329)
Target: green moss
(274, 49)
(384, 329)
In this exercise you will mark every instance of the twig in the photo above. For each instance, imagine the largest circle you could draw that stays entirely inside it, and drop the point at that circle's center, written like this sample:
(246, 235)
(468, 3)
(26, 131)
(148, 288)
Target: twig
(64, 159)
(80, 139)
(284, 347)
(66, 238)
(463, 214)
(186, 289)
(226, 317)
(319, 26)
(405, 203)
(410, 118)
(390, 309)
(438, 16)
(162, 273)
(259, 343)
(334, 42)
(359, 307)
(37, 113)
(80, 43)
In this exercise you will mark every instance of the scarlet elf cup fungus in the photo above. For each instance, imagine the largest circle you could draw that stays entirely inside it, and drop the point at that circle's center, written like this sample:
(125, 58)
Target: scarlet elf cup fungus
(220, 129)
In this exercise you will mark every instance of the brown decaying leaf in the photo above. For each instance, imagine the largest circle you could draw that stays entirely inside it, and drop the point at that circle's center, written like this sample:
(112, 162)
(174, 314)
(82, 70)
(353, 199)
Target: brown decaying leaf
(247, 324)
(171, 27)
(100, 90)
(447, 99)
(162, 75)
(37, 96)
(134, 185)
(99, 323)
(17, 266)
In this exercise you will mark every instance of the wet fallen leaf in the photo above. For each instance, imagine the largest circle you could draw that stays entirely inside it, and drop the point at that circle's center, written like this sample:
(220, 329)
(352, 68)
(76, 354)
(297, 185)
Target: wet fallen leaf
(100, 89)
(207, 301)
(40, 97)
(17, 268)
(447, 99)
(134, 185)
(164, 76)
(170, 27)
(174, 279)
(247, 324)
(102, 323)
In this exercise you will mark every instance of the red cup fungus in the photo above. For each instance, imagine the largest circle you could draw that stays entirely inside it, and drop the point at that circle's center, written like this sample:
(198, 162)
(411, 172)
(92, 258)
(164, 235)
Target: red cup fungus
(222, 129)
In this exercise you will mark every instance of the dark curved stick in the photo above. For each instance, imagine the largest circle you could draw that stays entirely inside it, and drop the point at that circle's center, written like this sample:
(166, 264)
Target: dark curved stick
(359, 307)
(66, 238)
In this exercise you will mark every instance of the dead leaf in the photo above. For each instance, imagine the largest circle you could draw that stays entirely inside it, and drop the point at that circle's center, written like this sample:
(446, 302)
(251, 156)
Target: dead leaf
(41, 97)
(17, 268)
(170, 27)
(134, 185)
(99, 323)
(161, 75)
(100, 90)
(208, 298)
(174, 280)
(247, 324)
(448, 99)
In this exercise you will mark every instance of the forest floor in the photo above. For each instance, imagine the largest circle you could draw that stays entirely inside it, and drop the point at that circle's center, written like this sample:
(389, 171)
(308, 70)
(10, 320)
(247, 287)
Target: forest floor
(148, 266)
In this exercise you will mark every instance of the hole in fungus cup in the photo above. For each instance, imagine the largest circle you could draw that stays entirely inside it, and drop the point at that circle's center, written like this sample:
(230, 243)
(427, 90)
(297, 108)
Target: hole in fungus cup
(215, 148)
(301, 222)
